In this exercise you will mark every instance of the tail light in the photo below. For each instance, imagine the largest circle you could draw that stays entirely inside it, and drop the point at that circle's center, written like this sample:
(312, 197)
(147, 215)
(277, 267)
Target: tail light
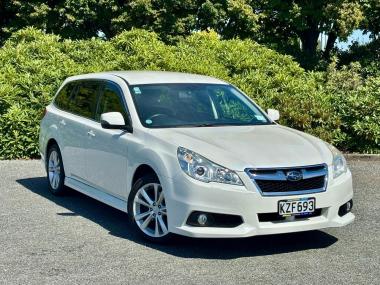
(44, 113)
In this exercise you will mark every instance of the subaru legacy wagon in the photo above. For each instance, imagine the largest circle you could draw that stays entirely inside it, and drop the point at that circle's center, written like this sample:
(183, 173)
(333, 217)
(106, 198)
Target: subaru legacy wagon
(190, 155)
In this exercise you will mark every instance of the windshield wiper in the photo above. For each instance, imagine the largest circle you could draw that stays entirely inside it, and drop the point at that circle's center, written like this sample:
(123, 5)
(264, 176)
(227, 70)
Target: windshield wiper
(207, 125)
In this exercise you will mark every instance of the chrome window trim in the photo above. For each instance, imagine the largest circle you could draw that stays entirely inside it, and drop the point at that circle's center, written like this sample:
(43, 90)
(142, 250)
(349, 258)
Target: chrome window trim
(279, 175)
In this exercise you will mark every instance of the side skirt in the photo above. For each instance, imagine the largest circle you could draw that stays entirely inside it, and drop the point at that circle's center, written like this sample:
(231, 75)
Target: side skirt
(96, 194)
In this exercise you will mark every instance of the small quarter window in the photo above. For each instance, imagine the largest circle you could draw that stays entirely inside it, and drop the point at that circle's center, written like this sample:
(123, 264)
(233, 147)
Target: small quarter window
(64, 98)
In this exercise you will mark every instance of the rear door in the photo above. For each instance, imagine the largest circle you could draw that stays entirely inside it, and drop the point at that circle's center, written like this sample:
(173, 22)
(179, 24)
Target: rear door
(107, 149)
(70, 138)
(82, 112)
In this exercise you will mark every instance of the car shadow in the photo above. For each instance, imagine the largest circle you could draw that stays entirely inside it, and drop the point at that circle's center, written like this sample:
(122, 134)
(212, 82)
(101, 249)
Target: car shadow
(114, 221)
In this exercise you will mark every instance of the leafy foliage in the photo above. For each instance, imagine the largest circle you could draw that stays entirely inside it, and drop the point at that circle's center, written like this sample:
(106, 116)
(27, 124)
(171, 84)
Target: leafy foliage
(367, 55)
(372, 17)
(337, 106)
(278, 23)
(358, 104)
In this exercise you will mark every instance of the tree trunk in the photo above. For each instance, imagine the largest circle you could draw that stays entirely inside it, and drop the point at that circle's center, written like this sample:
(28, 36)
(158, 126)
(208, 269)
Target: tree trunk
(330, 44)
(309, 40)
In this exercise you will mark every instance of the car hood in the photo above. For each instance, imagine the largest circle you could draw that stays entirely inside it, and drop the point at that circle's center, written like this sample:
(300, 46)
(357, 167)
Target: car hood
(240, 147)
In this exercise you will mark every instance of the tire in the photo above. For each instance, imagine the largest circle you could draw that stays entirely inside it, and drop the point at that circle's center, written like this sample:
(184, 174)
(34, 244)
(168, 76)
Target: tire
(147, 210)
(55, 171)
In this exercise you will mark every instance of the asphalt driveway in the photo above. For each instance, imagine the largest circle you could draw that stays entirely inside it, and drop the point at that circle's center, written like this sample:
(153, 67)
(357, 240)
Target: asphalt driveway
(77, 240)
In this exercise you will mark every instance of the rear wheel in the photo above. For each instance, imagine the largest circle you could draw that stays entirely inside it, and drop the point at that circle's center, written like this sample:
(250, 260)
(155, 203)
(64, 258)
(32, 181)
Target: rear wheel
(55, 171)
(147, 209)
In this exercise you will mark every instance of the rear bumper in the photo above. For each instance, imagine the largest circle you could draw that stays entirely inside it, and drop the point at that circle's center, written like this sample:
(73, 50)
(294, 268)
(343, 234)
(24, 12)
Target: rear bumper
(43, 162)
(42, 158)
(185, 195)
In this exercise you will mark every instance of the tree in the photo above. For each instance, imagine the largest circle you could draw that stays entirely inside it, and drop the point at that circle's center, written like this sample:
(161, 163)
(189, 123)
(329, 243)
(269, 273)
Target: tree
(371, 23)
(172, 18)
(283, 24)
(18, 14)
(305, 20)
(168, 18)
(231, 18)
(68, 18)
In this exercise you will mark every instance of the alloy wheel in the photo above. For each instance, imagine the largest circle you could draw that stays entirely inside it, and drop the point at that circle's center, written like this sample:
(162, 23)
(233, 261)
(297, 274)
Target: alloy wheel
(54, 169)
(149, 210)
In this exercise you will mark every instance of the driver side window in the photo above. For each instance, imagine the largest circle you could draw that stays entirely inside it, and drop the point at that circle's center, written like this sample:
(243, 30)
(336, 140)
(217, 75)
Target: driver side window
(111, 101)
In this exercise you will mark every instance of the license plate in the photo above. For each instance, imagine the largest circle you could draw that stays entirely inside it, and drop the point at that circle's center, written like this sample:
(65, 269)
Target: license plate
(296, 207)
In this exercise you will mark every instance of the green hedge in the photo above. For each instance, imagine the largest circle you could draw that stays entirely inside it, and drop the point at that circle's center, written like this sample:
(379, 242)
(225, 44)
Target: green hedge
(33, 65)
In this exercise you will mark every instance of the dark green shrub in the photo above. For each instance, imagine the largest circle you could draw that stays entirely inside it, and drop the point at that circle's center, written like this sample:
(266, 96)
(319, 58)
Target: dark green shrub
(368, 55)
(357, 103)
(19, 132)
(335, 106)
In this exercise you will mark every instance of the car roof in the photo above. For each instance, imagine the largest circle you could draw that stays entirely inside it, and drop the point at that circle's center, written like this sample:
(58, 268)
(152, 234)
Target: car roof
(152, 77)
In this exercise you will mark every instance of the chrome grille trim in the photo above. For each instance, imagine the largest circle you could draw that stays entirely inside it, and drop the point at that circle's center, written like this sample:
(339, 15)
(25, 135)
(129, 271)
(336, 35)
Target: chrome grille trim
(279, 174)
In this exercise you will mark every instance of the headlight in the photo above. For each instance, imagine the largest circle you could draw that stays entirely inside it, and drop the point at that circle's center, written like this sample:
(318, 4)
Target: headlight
(200, 168)
(339, 162)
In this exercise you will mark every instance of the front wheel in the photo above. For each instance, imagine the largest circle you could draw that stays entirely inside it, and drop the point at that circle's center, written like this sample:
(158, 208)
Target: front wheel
(147, 209)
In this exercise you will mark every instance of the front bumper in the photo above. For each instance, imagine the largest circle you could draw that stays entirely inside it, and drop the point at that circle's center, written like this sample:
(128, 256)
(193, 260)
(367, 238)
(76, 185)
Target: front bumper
(185, 195)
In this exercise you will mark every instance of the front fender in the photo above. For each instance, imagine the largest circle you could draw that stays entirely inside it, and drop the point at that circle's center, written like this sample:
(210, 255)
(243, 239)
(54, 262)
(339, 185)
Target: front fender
(161, 163)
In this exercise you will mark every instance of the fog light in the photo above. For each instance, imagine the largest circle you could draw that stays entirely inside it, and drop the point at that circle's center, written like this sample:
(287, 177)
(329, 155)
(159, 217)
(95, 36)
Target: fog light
(202, 219)
(205, 219)
(345, 208)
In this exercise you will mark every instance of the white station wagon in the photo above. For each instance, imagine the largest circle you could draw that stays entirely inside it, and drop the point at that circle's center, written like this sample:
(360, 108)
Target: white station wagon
(191, 155)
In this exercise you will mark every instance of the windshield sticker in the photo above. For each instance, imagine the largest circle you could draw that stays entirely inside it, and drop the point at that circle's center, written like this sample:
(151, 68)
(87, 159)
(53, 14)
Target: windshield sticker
(184, 95)
(137, 90)
(260, 117)
(148, 121)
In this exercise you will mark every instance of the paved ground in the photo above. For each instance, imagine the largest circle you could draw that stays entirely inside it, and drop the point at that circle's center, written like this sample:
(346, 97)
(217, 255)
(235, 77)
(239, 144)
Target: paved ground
(77, 240)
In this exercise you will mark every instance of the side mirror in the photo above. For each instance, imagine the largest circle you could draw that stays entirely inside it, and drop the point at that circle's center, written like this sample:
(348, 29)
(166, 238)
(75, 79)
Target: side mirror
(113, 120)
(273, 114)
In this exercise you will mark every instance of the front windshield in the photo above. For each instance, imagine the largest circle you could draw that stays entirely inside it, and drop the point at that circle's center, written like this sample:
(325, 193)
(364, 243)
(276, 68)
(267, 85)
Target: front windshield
(194, 105)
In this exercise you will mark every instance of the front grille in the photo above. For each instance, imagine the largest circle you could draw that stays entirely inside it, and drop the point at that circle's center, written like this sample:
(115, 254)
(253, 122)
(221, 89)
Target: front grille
(287, 186)
(276, 182)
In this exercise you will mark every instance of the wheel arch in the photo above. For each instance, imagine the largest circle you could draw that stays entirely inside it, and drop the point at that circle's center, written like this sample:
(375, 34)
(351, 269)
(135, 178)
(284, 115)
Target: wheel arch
(149, 162)
(51, 142)
(142, 170)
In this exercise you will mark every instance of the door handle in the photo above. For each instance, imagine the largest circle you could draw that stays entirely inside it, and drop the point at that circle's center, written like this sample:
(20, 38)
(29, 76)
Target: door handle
(62, 122)
(91, 133)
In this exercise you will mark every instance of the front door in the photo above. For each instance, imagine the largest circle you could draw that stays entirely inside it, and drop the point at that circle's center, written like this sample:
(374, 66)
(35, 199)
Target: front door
(107, 149)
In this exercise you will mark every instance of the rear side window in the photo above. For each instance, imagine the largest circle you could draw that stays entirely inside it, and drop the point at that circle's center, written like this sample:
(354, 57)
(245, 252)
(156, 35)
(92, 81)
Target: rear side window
(63, 100)
(110, 101)
(85, 99)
